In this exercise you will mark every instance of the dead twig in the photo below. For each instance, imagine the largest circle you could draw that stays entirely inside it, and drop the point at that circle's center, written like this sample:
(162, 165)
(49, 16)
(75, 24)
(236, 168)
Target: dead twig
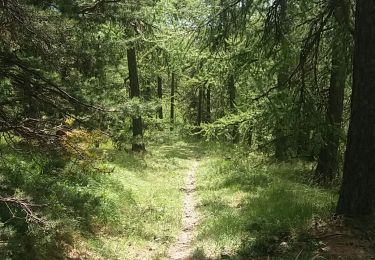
(27, 207)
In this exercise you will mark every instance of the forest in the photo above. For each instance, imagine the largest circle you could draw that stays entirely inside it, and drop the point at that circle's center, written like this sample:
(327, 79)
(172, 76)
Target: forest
(187, 129)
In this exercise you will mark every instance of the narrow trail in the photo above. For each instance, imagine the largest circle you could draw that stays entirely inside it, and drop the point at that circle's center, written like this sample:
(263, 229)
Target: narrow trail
(182, 250)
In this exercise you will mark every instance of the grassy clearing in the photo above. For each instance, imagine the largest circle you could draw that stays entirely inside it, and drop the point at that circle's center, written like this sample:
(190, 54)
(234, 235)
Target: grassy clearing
(124, 206)
(150, 202)
(132, 209)
(249, 207)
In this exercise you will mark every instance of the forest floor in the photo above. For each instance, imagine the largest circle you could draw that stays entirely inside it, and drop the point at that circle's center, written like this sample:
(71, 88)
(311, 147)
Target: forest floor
(182, 248)
(182, 199)
(189, 200)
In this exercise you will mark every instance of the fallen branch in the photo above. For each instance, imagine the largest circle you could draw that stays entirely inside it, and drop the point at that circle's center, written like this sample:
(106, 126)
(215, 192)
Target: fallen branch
(26, 206)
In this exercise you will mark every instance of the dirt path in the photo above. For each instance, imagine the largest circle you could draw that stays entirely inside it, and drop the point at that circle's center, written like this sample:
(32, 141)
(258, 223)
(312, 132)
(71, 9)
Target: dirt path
(182, 250)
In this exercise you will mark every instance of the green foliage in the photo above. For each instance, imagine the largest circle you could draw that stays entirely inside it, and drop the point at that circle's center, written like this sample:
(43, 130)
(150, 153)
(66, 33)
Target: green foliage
(64, 84)
(72, 199)
(250, 205)
(151, 211)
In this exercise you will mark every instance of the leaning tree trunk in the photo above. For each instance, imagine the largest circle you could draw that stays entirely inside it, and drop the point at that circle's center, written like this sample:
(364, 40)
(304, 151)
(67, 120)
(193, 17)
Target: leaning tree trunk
(357, 194)
(173, 85)
(137, 128)
(160, 96)
(327, 167)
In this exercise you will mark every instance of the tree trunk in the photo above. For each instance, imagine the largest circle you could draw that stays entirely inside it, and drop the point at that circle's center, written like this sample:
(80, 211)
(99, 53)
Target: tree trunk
(147, 95)
(281, 140)
(208, 104)
(327, 168)
(357, 196)
(232, 93)
(173, 85)
(200, 98)
(137, 128)
(232, 105)
(160, 96)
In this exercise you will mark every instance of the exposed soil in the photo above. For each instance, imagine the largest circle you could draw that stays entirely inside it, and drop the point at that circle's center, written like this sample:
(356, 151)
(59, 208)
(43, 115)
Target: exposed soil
(182, 249)
(342, 240)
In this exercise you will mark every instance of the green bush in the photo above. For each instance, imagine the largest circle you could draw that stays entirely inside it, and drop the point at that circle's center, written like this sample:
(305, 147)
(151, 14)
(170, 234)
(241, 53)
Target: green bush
(73, 200)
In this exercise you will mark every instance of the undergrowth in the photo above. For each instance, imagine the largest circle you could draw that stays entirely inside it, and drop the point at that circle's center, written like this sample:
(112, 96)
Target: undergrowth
(128, 206)
(69, 199)
(151, 212)
(252, 207)
(119, 205)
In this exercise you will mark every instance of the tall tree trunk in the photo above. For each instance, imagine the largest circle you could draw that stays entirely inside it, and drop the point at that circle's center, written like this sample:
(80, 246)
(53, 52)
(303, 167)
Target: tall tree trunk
(147, 94)
(137, 128)
(232, 105)
(232, 93)
(160, 96)
(208, 104)
(29, 103)
(173, 85)
(357, 196)
(327, 168)
(281, 140)
(200, 99)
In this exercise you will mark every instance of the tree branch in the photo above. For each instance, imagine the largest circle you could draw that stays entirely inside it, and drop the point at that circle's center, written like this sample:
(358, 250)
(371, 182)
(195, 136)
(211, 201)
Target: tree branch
(27, 207)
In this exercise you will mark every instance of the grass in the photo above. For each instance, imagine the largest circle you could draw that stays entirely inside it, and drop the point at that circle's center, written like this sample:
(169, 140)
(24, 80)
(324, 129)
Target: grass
(150, 202)
(130, 209)
(250, 206)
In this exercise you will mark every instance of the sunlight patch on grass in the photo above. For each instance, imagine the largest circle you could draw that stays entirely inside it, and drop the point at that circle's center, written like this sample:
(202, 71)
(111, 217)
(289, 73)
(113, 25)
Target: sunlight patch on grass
(152, 208)
(246, 209)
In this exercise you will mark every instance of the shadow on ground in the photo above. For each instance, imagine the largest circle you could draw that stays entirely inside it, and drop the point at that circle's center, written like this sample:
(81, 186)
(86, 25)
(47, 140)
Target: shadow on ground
(162, 153)
(256, 212)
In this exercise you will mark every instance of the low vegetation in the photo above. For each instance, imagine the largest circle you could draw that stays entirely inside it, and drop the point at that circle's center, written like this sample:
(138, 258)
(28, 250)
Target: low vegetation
(121, 121)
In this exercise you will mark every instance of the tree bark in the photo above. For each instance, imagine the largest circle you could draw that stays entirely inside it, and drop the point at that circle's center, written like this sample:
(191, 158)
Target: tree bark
(232, 93)
(327, 167)
(208, 104)
(160, 96)
(357, 196)
(200, 98)
(281, 140)
(173, 85)
(232, 105)
(137, 144)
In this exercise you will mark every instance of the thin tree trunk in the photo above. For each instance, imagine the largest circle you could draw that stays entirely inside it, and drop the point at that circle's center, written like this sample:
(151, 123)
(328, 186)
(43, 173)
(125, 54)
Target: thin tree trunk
(173, 85)
(137, 128)
(232, 105)
(208, 104)
(160, 96)
(249, 137)
(281, 141)
(200, 98)
(232, 93)
(357, 196)
(147, 96)
(327, 167)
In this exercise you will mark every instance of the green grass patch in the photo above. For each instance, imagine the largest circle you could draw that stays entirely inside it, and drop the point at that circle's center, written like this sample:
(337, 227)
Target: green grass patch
(249, 206)
(122, 206)
(150, 204)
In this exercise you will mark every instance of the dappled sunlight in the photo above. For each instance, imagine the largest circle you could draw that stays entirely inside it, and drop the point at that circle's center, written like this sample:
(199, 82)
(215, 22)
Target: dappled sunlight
(248, 211)
(187, 129)
(152, 209)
